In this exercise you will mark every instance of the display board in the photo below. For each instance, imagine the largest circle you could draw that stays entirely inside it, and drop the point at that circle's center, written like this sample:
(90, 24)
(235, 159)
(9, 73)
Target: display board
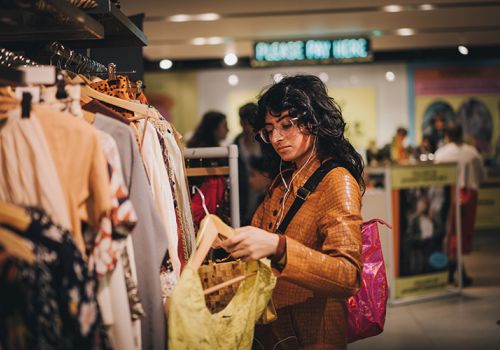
(421, 210)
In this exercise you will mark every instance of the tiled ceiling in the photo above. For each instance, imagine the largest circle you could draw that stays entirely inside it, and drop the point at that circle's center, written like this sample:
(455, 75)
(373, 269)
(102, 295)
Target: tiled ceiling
(435, 24)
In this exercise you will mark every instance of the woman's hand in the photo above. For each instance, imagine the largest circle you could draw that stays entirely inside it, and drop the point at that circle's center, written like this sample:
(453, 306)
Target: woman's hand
(251, 243)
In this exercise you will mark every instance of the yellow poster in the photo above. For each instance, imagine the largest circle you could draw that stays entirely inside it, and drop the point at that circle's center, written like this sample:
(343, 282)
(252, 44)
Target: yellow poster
(421, 285)
(423, 176)
(359, 109)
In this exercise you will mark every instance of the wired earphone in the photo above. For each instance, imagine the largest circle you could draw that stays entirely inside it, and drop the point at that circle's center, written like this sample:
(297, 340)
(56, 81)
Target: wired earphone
(288, 187)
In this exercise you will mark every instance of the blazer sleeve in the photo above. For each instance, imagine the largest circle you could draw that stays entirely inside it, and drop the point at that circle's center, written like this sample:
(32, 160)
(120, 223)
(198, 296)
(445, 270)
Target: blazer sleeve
(335, 269)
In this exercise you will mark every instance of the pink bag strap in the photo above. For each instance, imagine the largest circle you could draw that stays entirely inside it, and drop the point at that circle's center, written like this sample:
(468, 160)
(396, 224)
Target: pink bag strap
(380, 221)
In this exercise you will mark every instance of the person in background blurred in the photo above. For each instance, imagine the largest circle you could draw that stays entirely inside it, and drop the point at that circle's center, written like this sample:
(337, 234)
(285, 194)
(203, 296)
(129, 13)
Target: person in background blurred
(247, 147)
(398, 150)
(260, 179)
(211, 131)
(436, 137)
(471, 172)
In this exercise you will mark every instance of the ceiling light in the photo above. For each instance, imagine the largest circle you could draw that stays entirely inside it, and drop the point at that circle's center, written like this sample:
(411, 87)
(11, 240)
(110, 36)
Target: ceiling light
(206, 17)
(230, 59)
(377, 32)
(233, 80)
(180, 18)
(405, 31)
(215, 40)
(390, 76)
(323, 77)
(166, 64)
(426, 7)
(463, 50)
(199, 41)
(278, 77)
(392, 8)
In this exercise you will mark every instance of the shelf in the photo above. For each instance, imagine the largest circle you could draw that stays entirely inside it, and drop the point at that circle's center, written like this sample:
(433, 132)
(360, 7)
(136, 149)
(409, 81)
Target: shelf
(30, 23)
(10, 76)
(46, 20)
(119, 29)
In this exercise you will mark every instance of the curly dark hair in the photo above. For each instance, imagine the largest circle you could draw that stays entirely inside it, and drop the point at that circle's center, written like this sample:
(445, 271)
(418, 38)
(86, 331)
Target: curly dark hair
(306, 97)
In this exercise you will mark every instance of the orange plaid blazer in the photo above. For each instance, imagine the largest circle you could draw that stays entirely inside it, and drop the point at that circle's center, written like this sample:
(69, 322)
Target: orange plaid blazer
(323, 260)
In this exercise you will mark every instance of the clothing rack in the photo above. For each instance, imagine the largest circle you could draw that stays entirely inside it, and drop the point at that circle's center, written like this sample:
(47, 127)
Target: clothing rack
(81, 63)
(230, 152)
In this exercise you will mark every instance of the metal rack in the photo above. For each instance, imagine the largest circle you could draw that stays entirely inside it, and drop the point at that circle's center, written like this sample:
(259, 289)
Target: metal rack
(230, 152)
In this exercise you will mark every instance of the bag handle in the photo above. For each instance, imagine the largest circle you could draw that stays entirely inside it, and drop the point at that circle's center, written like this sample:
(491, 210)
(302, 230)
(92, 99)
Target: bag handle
(305, 191)
(379, 221)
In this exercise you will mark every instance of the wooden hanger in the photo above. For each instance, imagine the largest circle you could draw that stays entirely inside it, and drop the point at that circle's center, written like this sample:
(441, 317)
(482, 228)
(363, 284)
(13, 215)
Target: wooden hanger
(144, 110)
(16, 246)
(211, 228)
(14, 216)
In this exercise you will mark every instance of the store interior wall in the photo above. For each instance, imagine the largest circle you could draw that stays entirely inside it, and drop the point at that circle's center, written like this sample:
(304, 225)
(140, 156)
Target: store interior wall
(373, 106)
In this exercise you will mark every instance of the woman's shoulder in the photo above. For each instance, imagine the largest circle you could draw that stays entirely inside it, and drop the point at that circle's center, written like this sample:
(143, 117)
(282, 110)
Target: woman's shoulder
(340, 177)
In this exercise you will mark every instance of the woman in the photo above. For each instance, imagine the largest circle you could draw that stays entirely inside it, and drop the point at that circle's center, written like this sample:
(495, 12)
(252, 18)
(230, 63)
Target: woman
(211, 131)
(319, 255)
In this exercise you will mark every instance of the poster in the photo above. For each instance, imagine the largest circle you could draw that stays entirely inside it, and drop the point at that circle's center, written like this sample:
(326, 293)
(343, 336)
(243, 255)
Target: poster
(421, 210)
(468, 95)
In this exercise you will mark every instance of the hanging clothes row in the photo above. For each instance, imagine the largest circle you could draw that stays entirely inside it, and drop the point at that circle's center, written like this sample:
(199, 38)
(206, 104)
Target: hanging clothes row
(100, 177)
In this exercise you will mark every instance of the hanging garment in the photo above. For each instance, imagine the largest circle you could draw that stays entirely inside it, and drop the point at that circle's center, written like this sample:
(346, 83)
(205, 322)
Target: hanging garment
(162, 193)
(52, 303)
(192, 326)
(95, 106)
(174, 160)
(28, 174)
(81, 166)
(149, 238)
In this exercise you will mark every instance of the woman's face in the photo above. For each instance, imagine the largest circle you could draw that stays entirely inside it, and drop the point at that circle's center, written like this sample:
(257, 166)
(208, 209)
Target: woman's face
(292, 143)
(221, 131)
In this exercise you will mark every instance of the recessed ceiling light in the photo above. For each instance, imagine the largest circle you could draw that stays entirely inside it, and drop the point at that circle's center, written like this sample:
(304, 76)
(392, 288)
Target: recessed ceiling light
(197, 17)
(463, 50)
(377, 32)
(230, 59)
(233, 80)
(390, 76)
(392, 8)
(166, 64)
(199, 41)
(215, 40)
(206, 17)
(426, 7)
(180, 18)
(405, 31)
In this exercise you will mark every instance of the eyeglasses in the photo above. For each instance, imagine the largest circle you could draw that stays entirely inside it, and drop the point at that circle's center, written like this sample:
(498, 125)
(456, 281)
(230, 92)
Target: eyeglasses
(284, 128)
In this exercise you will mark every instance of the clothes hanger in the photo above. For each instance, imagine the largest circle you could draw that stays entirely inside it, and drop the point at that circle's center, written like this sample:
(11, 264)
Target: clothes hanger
(16, 246)
(212, 227)
(141, 109)
(14, 216)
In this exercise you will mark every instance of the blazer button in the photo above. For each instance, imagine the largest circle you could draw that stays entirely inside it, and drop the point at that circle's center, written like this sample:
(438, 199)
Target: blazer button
(275, 212)
(270, 225)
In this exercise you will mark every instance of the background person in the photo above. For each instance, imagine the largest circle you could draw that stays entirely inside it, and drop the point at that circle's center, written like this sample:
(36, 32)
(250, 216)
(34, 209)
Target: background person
(247, 147)
(471, 172)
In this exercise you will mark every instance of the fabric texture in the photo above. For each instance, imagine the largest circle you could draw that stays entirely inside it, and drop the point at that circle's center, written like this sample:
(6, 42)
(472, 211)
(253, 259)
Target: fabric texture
(192, 326)
(149, 238)
(323, 266)
(76, 149)
(59, 289)
(28, 174)
(162, 192)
